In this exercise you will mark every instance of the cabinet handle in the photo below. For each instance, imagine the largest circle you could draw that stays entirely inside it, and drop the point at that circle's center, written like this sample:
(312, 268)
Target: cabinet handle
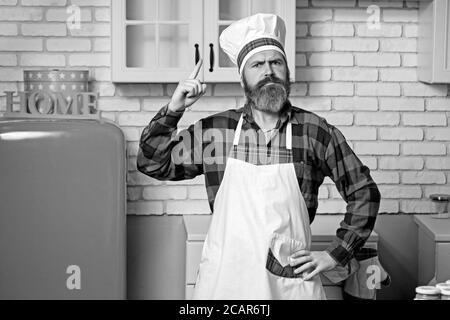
(211, 58)
(197, 54)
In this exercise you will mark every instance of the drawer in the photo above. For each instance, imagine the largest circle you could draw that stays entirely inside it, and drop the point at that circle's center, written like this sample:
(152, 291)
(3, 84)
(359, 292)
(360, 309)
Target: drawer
(325, 281)
(442, 261)
(320, 246)
(193, 258)
(426, 258)
(194, 254)
(331, 292)
(189, 292)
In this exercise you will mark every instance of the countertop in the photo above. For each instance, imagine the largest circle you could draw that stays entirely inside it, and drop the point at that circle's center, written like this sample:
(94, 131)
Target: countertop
(437, 229)
(323, 227)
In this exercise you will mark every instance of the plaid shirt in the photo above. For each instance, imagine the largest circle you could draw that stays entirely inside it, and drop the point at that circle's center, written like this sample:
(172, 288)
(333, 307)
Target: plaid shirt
(319, 150)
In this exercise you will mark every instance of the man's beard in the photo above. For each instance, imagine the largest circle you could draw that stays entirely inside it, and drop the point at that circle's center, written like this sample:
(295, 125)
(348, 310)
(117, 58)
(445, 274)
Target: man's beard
(269, 95)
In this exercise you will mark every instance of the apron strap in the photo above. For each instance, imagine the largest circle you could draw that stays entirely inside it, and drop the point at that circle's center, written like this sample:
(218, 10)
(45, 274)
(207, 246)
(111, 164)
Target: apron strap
(289, 136)
(237, 134)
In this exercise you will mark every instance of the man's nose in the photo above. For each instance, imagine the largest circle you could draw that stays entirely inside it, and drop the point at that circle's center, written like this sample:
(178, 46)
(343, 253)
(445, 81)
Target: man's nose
(268, 70)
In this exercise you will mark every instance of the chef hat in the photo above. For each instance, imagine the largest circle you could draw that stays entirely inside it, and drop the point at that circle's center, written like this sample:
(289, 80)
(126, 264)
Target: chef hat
(251, 35)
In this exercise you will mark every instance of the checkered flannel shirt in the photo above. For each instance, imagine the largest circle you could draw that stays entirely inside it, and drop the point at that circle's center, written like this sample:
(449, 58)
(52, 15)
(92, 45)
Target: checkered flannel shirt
(319, 150)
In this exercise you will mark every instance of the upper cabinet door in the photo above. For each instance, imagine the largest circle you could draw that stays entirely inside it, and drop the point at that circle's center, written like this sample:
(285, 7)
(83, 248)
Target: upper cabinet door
(219, 14)
(155, 40)
(434, 41)
(161, 40)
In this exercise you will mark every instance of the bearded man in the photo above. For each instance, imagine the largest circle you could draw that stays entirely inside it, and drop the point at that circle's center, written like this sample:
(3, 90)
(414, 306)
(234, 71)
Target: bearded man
(263, 169)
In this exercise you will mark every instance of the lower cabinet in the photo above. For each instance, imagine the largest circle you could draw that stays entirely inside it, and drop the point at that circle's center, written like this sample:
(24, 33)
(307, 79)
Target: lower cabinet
(323, 231)
(434, 249)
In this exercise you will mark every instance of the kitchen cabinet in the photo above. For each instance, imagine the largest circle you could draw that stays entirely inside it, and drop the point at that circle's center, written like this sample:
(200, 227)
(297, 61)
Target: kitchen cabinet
(434, 249)
(434, 41)
(161, 40)
(323, 230)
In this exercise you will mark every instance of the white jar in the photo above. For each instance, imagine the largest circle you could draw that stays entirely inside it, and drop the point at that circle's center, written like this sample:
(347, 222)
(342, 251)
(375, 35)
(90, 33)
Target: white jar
(427, 293)
(445, 293)
(443, 285)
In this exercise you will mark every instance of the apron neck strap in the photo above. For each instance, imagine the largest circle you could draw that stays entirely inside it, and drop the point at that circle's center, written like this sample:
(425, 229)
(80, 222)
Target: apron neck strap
(289, 136)
(237, 134)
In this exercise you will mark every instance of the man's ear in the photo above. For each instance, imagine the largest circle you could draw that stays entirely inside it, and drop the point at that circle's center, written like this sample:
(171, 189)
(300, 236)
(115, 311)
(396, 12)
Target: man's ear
(241, 77)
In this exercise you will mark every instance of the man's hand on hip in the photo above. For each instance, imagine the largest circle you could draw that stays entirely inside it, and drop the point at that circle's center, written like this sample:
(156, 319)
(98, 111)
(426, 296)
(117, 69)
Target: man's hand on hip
(313, 261)
(188, 91)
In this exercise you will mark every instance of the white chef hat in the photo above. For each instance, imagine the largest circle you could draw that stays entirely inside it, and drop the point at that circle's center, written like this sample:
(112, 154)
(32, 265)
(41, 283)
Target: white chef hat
(251, 35)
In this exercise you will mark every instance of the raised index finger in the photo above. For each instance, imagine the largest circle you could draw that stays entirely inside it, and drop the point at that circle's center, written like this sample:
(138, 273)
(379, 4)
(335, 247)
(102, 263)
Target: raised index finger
(194, 73)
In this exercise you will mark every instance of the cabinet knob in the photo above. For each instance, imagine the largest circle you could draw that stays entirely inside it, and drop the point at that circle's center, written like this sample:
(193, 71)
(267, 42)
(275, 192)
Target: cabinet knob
(197, 54)
(211, 57)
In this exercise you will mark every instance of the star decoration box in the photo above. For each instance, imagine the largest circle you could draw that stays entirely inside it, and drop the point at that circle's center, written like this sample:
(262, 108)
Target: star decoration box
(68, 82)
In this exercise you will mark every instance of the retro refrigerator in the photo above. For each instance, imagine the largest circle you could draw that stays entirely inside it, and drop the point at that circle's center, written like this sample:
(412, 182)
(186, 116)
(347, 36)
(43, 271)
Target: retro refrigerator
(62, 209)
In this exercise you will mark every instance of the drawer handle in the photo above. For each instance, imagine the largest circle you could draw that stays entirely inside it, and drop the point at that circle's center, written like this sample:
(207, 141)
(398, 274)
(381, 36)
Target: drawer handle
(211, 57)
(197, 54)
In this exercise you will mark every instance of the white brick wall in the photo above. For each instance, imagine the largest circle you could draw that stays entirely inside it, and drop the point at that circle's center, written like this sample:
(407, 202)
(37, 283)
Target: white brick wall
(362, 80)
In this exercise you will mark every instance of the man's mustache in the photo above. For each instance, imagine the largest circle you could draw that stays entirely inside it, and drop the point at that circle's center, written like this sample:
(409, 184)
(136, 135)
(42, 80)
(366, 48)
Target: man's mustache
(267, 80)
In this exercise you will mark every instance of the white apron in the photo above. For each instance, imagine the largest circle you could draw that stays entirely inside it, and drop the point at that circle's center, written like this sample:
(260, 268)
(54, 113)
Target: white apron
(257, 208)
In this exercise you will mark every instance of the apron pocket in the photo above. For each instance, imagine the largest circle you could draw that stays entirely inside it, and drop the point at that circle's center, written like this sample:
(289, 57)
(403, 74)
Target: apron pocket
(281, 247)
(275, 267)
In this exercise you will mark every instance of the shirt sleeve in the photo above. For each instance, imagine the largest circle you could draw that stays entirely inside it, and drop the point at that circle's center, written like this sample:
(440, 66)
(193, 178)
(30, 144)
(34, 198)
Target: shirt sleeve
(357, 188)
(165, 154)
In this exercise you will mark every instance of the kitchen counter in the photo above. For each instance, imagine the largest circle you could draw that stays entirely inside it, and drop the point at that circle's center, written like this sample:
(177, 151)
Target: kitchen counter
(323, 227)
(436, 229)
(434, 249)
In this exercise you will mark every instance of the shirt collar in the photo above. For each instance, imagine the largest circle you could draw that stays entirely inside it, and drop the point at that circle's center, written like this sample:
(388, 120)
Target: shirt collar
(287, 115)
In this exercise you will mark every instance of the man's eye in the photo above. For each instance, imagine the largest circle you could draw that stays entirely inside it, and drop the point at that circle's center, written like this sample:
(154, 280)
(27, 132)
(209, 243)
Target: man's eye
(258, 64)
